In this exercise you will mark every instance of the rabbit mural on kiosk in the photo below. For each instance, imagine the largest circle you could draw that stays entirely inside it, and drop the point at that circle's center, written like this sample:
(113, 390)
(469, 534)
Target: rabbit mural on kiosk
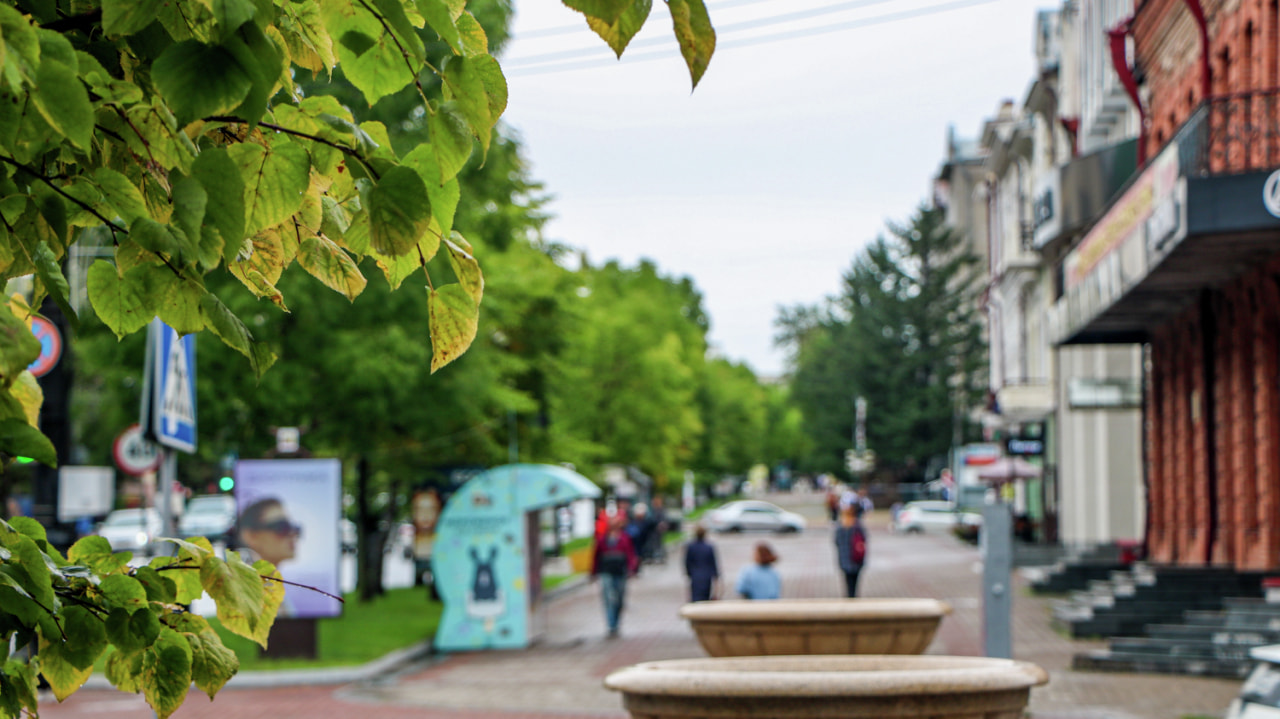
(484, 599)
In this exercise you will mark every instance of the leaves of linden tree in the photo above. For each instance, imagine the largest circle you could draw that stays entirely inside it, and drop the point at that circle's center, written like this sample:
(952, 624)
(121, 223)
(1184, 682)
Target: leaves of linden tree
(172, 132)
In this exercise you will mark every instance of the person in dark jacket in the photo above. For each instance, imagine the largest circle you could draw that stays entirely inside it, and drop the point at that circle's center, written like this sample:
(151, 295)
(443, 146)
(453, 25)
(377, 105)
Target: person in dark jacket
(701, 567)
(851, 546)
(615, 560)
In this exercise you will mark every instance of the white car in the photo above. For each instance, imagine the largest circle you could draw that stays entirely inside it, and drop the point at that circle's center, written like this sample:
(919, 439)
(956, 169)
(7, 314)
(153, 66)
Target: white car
(753, 514)
(212, 516)
(931, 515)
(129, 530)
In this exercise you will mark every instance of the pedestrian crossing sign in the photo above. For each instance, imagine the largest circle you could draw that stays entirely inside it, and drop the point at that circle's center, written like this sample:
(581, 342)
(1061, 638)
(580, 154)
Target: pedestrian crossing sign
(172, 379)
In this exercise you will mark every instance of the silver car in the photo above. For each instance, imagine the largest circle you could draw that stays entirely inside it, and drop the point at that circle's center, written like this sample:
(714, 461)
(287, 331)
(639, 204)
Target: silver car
(753, 514)
(131, 529)
(930, 515)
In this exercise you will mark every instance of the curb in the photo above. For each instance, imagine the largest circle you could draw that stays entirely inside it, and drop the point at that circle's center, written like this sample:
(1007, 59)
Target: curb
(377, 669)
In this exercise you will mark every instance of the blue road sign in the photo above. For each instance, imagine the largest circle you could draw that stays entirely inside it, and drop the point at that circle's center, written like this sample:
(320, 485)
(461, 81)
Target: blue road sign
(174, 389)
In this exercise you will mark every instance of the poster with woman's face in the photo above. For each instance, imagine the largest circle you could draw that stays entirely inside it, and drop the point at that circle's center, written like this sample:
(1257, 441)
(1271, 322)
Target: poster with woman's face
(289, 512)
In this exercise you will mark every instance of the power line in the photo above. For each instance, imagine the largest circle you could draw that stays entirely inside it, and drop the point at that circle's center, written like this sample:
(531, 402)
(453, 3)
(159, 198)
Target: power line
(763, 39)
(721, 31)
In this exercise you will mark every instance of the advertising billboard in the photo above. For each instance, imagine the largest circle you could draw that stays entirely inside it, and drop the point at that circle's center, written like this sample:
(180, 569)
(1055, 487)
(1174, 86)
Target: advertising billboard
(288, 514)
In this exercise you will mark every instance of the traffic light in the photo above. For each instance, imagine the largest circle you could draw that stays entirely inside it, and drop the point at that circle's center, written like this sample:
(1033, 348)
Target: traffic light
(227, 483)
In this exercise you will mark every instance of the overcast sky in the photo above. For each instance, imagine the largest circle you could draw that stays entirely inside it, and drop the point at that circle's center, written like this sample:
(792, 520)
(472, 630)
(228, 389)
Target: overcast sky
(817, 121)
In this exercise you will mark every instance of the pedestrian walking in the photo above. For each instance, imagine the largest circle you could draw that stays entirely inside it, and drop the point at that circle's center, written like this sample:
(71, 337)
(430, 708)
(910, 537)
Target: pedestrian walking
(760, 580)
(701, 567)
(614, 561)
(851, 547)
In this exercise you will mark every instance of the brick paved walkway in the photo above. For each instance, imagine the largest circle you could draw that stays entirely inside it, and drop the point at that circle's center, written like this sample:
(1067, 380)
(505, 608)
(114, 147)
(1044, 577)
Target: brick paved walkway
(561, 675)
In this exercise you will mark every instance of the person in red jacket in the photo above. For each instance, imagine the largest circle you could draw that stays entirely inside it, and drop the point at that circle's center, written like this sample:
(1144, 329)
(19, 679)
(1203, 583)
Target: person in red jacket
(615, 560)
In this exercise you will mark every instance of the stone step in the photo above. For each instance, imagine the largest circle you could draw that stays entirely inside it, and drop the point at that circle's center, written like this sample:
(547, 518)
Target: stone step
(1194, 648)
(1223, 634)
(1114, 625)
(1105, 660)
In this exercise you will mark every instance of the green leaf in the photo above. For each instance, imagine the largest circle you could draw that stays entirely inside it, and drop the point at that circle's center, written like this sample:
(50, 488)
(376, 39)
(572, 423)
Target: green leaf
(131, 631)
(21, 678)
(275, 182)
(18, 346)
(399, 211)
(212, 664)
(474, 41)
(29, 527)
(272, 595)
(617, 34)
(123, 591)
(189, 203)
(121, 196)
(167, 668)
(463, 81)
(606, 10)
(87, 548)
(49, 271)
(233, 332)
(261, 60)
(180, 307)
(160, 588)
(86, 640)
(454, 320)
(440, 18)
(127, 304)
(465, 266)
(231, 14)
(225, 192)
(63, 676)
(19, 439)
(124, 670)
(443, 196)
(64, 103)
(186, 581)
(450, 138)
(199, 80)
(17, 600)
(329, 263)
(392, 11)
(237, 590)
(368, 55)
(694, 33)
(125, 17)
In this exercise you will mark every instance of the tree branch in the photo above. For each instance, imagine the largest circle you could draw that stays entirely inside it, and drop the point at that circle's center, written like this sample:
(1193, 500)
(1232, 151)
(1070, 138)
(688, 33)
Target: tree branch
(46, 180)
(404, 54)
(349, 152)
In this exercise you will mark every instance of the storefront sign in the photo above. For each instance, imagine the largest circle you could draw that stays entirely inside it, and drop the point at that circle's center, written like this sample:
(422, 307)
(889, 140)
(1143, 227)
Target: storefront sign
(1126, 218)
(1271, 194)
(1024, 447)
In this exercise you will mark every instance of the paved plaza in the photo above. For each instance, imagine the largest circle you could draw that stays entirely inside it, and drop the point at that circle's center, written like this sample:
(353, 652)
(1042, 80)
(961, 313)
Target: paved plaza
(561, 675)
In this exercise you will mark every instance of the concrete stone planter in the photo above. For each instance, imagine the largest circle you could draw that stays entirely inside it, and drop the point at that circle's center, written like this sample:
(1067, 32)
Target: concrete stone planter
(827, 687)
(815, 626)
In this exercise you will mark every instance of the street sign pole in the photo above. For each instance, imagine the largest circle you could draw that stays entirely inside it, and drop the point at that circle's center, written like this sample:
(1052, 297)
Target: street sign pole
(169, 406)
(168, 475)
(997, 573)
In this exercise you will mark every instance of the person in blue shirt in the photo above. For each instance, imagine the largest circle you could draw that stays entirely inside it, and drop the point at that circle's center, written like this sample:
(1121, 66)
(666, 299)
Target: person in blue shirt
(760, 580)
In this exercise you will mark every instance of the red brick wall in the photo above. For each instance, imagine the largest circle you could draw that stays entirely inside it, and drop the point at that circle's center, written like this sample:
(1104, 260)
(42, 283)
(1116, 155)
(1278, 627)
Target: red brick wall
(1160, 431)
(1244, 39)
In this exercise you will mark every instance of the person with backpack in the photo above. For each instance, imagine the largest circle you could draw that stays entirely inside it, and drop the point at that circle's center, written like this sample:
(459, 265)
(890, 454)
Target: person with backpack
(615, 560)
(851, 546)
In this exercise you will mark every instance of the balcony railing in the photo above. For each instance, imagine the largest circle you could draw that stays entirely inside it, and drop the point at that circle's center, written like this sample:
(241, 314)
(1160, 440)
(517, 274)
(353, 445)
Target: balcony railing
(1231, 134)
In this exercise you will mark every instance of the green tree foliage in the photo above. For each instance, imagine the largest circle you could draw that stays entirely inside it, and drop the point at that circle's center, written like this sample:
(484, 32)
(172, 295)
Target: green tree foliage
(625, 391)
(904, 335)
(176, 137)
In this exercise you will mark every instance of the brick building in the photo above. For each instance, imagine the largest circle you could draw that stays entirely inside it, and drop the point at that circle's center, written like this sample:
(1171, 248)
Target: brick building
(1186, 262)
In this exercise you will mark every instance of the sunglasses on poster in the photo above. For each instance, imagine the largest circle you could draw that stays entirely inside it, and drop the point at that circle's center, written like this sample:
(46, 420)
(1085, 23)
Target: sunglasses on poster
(282, 527)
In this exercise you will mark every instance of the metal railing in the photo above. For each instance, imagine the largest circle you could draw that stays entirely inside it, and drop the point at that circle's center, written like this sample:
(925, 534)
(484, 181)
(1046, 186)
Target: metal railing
(1231, 134)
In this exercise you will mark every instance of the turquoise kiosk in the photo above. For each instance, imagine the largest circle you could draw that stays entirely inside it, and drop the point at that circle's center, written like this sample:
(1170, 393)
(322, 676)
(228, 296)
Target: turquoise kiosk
(487, 558)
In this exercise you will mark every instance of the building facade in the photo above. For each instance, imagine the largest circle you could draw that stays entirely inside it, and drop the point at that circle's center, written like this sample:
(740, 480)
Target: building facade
(1185, 264)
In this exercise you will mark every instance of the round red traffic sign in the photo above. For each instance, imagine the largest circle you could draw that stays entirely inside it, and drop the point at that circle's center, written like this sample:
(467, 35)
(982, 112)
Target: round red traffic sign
(134, 454)
(50, 346)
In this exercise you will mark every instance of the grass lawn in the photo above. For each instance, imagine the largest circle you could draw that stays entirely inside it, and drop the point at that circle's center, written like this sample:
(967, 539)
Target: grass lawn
(365, 631)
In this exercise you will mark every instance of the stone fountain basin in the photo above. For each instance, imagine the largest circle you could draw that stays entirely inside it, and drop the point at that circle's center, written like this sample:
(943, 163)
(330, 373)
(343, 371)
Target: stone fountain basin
(827, 687)
(734, 628)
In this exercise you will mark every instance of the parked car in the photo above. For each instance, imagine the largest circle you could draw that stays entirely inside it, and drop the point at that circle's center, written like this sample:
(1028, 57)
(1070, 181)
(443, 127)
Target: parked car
(752, 514)
(131, 530)
(933, 515)
(211, 516)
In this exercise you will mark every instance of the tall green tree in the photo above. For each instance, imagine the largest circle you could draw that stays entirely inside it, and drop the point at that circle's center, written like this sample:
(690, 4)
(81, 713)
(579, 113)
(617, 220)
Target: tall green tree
(626, 385)
(905, 336)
